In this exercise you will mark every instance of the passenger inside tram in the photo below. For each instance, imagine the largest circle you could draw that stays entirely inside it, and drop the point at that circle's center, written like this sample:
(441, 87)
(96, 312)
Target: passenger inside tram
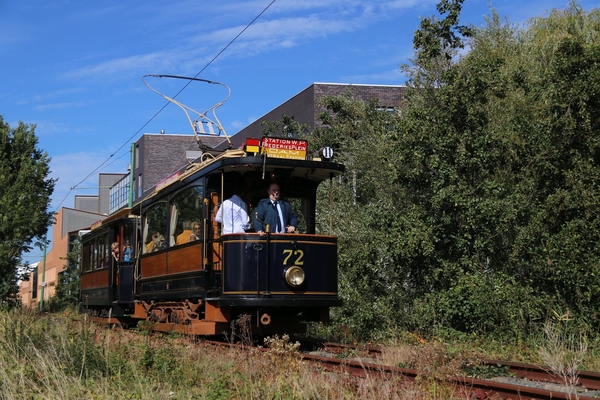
(156, 243)
(184, 236)
(196, 232)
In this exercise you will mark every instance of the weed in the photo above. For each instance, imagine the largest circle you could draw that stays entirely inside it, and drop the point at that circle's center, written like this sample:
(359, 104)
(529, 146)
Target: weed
(219, 388)
(563, 353)
(241, 330)
(347, 353)
(485, 371)
(282, 348)
(429, 359)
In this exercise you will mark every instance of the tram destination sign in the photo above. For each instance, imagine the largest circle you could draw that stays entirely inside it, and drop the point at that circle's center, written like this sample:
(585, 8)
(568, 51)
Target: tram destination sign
(284, 148)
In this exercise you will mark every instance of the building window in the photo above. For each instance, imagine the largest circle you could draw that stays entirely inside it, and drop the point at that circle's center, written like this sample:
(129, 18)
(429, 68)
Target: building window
(389, 110)
(34, 283)
(119, 195)
(140, 186)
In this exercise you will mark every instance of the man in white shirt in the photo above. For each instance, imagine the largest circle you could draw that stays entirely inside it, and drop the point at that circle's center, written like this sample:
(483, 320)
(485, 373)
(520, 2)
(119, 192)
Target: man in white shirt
(233, 215)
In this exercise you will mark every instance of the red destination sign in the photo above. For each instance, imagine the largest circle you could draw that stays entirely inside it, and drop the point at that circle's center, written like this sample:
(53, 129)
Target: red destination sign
(284, 144)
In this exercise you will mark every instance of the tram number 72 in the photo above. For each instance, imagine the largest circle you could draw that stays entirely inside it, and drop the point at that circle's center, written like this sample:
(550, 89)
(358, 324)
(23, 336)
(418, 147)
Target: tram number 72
(299, 254)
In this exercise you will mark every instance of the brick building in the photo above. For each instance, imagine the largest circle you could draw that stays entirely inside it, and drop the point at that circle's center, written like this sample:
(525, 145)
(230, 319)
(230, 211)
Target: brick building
(158, 156)
(305, 108)
(68, 223)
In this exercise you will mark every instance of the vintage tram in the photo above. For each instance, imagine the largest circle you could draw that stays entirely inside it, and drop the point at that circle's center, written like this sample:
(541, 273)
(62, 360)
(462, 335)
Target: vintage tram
(165, 260)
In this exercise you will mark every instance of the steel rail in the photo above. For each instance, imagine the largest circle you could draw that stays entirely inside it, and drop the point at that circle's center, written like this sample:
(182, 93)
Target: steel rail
(588, 379)
(483, 389)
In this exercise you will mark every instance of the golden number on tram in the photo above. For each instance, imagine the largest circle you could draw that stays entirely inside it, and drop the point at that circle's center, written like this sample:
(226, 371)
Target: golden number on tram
(298, 253)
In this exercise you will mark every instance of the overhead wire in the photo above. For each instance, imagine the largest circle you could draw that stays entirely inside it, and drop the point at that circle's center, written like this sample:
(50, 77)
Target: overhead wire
(167, 103)
(73, 187)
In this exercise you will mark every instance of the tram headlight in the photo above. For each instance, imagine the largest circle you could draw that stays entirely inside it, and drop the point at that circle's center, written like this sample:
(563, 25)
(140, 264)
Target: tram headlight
(294, 276)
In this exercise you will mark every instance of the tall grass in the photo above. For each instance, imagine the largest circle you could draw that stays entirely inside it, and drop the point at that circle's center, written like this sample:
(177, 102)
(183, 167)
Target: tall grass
(64, 356)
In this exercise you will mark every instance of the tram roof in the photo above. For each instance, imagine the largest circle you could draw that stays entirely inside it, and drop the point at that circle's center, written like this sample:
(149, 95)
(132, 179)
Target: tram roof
(239, 161)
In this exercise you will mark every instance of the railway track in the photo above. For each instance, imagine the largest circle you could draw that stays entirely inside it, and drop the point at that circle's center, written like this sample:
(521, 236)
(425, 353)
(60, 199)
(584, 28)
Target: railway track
(482, 389)
(522, 371)
(526, 381)
(589, 380)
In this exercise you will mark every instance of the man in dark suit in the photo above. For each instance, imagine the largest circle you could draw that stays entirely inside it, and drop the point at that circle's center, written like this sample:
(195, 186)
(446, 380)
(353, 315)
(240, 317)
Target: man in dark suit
(275, 212)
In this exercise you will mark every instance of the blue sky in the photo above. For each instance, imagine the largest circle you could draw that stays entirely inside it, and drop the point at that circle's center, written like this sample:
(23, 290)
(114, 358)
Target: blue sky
(74, 68)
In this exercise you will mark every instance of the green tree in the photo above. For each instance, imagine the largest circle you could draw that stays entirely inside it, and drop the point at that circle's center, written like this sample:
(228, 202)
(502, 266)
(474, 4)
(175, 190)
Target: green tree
(558, 247)
(504, 156)
(477, 207)
(461, 173)
(67, 290)
(24, 200)
(367, 214)
(286, 127)
(441, 38)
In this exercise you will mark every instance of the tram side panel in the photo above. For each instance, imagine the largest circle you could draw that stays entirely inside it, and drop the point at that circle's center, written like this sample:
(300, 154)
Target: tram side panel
(173, 274)
(95, 288)
(254, 274)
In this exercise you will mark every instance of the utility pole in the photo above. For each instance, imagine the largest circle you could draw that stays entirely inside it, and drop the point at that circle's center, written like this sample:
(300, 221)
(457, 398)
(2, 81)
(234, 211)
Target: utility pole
(131, 171)
(43, 284)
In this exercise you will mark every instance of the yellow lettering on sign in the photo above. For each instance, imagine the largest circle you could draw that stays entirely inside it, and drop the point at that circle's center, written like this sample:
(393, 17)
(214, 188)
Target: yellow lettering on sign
(289, 154)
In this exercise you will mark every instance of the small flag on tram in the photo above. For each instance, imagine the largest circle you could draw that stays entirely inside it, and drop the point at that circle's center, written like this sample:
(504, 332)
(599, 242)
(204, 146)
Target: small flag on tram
(252, 145)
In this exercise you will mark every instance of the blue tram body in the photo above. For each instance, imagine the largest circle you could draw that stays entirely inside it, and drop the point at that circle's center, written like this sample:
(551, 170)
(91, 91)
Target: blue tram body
(182, 274)
(254, 275)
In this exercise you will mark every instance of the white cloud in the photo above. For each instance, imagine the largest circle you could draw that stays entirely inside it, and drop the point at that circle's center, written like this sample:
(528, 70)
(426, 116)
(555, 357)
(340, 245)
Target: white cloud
(291, 28)
(401, 4)
(121, 65)
(44, 128)
(237, 124)
(287, 24)
(60, 106)
(39, 97)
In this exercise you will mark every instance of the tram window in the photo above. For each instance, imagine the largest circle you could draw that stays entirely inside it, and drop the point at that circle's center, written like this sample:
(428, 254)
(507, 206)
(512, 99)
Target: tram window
(98, 252)
(128, 252)
(95, 253)
(106, 251)
(84, 249)
(299, 209)
(299, 192)
(186, 213)
(99, 262)
(103, 251)
(85, 257)
(155, 228)
(89, 255)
